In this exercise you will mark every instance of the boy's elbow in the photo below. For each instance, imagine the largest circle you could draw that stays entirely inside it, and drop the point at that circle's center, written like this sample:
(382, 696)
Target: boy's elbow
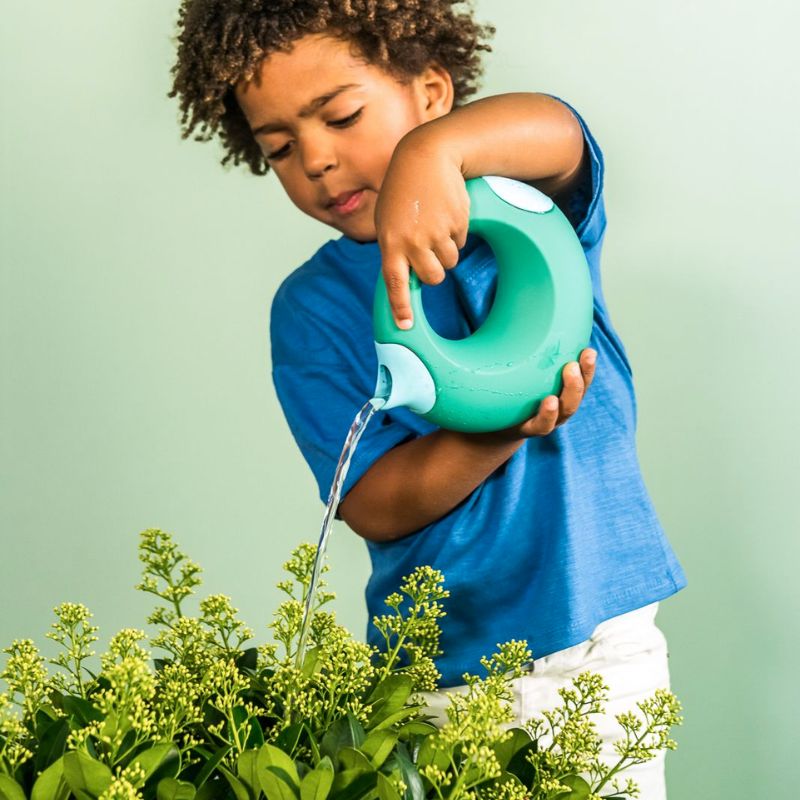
(358, 519)
(366, 520)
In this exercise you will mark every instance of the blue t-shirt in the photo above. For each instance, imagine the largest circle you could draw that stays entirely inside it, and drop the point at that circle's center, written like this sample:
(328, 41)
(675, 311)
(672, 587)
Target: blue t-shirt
(562, 536)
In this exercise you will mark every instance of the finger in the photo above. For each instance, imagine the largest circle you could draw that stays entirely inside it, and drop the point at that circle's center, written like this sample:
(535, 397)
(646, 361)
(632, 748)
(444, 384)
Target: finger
(545, 420)
(460, 238)
(571, 392)
(395, 276)
(427, 265)
(588, 360)
(446, 251)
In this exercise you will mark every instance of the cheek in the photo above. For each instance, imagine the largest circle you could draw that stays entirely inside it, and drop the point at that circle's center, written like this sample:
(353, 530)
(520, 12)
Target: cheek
(386, 140)
(376, 154)
(296, 187)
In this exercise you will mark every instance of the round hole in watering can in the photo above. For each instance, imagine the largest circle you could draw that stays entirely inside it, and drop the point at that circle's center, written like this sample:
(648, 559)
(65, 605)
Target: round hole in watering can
(447, 310)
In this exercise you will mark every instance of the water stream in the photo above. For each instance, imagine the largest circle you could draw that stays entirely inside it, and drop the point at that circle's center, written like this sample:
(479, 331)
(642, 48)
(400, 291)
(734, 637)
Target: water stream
(351, 442)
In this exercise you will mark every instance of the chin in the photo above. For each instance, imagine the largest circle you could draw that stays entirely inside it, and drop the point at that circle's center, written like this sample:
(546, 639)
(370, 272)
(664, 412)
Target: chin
(363, 238)
(360, 233)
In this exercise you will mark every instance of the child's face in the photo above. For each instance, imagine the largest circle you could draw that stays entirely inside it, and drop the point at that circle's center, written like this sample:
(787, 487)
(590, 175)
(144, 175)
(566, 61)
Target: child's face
(328, 124)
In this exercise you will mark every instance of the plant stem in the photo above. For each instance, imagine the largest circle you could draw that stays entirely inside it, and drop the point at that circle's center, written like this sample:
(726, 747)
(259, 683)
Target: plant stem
(618, 766)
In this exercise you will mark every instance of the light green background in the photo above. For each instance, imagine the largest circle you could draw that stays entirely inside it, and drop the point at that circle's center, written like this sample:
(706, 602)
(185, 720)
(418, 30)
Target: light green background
(136, 282)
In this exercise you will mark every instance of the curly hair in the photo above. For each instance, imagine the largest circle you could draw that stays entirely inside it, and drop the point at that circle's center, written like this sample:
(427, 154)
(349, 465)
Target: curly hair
(222, 42)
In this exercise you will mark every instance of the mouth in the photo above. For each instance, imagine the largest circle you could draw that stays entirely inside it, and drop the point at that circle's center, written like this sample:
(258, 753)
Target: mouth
(346, 202)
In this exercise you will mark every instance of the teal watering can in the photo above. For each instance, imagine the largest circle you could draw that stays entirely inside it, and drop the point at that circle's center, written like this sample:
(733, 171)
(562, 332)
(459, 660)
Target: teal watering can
(541, 319)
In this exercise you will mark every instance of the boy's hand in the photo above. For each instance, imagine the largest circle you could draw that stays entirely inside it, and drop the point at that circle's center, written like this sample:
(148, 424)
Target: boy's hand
(554, 411)
(421, 219)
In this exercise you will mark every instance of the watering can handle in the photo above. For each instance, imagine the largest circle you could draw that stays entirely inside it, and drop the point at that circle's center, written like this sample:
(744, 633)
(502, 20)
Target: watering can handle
(540, 319)
(514, 193)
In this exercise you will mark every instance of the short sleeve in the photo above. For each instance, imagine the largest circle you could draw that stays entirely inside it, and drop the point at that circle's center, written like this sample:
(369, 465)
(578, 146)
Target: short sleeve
(322, 381)
(584, 206)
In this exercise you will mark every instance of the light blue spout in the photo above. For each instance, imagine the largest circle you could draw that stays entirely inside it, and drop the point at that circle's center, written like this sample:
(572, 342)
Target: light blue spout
(403, 380)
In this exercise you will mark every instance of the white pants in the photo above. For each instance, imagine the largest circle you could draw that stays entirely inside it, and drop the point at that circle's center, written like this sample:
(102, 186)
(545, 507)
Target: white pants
(630, 653)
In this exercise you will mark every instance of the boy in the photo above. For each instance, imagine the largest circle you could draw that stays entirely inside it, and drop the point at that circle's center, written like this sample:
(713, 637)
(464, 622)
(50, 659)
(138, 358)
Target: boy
(544, 531)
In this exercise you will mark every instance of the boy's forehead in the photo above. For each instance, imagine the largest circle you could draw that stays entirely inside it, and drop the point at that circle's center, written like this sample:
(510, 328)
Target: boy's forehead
(313, 72)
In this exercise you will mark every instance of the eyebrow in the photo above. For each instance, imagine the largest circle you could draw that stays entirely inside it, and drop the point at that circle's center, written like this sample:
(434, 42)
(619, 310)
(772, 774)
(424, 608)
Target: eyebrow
(306, 111)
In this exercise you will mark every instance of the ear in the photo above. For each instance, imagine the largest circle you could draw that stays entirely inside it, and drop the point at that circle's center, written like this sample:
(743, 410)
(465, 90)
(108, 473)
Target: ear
(434, 88)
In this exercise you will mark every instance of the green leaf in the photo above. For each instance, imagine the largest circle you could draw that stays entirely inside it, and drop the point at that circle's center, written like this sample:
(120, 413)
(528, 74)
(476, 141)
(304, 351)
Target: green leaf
(91, 749)
(239, 789)
(398, 716)
(51, 784)
(45, 717)
(385, 789)
(411, 778)
(269, 756)
(170, 767)
(275, 784)
(505, 750)
(521, 767)
(256, 737)
(248, 770)
(208, 791)
(277, 774)
(289, 737)
(212, 791)
(352, 759)
(579, 789)
(248, 659)
(317, 784)
(353, 784)
(171, 789)
(345, 732)
(84, 773)
(416, 728)
(10, 789)
(111, 724)
(52, 742)
(378, 745)
(129, 740)
(312, 743)
(389, 696)
(310, 661)
(211, 760)
(240, 723)
(150, 760)
(82, 710)
(428, 754)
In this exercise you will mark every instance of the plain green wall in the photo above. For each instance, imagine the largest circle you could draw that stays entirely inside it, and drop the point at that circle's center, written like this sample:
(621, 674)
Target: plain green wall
(136, 282)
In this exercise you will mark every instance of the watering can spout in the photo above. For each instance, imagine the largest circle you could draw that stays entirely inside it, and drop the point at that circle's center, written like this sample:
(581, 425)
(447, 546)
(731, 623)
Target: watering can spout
(403, 380)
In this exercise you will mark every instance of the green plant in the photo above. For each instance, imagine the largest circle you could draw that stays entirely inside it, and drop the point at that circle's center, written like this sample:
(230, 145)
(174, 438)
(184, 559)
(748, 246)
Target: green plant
(215, 719)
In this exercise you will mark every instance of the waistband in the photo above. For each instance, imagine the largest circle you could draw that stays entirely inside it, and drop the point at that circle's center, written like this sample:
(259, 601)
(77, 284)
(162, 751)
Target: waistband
(636, 625)
(640, 616)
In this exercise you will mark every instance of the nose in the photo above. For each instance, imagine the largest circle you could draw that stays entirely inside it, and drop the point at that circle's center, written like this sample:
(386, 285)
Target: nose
(318, 157)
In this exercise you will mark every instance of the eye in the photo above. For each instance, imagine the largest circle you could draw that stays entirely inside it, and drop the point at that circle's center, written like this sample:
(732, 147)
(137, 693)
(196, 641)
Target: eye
(278, 154)
(347, 121)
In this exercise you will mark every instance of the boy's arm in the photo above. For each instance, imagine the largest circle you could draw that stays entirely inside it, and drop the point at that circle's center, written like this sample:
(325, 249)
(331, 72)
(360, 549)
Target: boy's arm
(541, 141)
(422, 218)
(422, 212)
(420, 481)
